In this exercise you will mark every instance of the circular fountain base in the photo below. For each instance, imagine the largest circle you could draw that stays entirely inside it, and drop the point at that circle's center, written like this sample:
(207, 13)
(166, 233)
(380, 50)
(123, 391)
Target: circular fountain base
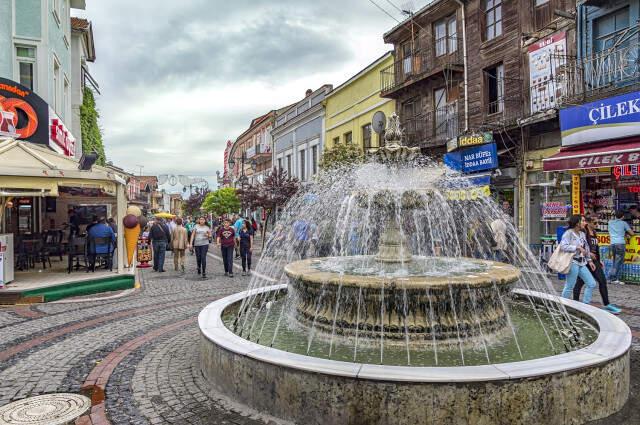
(551, 390)
(417, 306)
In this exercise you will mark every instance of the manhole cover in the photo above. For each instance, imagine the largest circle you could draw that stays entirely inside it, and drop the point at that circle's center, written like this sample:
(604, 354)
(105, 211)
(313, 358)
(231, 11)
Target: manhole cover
(49, 409)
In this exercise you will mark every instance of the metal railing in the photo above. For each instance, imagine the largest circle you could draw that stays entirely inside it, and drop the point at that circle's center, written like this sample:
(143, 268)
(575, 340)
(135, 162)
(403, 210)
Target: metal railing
(582, 78)
(441, 54)
(433, 128)
(508, 106)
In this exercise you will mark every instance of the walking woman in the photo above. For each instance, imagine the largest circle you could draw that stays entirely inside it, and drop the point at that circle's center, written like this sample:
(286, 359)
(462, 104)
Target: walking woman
(245, 238)
(226, 240)
(179, 244)
(200, 236)
(574, 240)
(596, 270)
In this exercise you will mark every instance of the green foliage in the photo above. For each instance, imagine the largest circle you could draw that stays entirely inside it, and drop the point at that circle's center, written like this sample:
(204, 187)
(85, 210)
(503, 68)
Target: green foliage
(222, 201)
(91, 133)
(341, 155)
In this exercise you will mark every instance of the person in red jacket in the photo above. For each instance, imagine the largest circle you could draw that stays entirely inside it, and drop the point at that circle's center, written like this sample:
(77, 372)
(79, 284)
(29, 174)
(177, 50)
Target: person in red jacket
(226, 240)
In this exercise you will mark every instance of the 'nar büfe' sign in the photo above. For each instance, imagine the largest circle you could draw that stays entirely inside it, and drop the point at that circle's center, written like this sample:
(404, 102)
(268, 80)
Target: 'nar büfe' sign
(479, 158)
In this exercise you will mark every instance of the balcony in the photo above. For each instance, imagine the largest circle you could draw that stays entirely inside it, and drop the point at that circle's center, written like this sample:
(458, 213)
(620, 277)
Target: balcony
(506, 106)
(434, 128)
(606, 73)
(260, 152)
(444, 54)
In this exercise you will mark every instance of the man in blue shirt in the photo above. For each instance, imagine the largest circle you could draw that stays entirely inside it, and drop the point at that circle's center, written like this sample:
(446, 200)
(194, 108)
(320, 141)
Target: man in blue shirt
(101, 230)
(618, 231)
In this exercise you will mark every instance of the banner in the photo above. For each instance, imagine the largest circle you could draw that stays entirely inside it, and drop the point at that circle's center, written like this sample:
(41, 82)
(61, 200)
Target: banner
(477, 158)
(545, 56)
(552, 210)
(468, 194)
(632, 254)
(606, 119)
(575, 194)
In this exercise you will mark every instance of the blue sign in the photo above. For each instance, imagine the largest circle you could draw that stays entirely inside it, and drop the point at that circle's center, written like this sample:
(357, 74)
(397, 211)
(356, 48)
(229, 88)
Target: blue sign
(477, 158)
(606, 119)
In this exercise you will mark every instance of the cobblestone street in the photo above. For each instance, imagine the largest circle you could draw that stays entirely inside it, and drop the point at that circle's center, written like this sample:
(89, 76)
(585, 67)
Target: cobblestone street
(137, 355)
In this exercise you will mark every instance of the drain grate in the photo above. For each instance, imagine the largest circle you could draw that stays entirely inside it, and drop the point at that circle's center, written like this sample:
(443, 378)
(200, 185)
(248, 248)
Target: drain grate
(49, 409)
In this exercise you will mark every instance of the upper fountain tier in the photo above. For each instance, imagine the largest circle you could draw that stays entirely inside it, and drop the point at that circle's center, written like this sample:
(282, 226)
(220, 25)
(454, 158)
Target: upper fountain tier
(394, 152)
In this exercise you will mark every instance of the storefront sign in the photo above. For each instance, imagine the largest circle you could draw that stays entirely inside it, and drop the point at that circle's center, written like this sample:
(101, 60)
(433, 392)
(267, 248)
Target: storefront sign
(7, 128)
(544, 57)
(629, 170)
(473, 159)
(469, 194)
(632, 254)
(469, 140)
(554, 210)
(602, 159)
(60, 138)
(30, 112)
(575, 194)
(605, 119)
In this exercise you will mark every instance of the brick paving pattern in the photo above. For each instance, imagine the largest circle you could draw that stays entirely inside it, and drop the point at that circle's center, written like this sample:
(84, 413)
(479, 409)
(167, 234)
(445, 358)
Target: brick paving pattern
(137, 356)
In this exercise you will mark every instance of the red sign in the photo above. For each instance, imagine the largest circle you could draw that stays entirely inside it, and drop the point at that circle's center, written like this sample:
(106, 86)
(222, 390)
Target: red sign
(60, 138)
(625, 170)
(609, 156)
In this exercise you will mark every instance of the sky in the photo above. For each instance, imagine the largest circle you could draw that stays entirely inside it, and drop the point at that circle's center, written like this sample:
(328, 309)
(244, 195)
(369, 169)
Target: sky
(180, 78)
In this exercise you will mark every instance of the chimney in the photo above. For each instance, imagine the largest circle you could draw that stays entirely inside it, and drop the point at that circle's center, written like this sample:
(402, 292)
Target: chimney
(308, 93)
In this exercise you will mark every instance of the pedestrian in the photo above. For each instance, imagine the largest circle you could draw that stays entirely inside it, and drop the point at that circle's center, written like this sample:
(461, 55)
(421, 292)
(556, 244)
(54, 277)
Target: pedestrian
(596, 271)
(499, 243)
(172, 224)
(301, 233)
(160, 238)
(112, 223)
(74, 223)
(226, 240)
(245, 240)
(237, 225)
(179, 243)
(618, 231)
(254, 225)
(574, 240)
(94, 221)
(200, 237)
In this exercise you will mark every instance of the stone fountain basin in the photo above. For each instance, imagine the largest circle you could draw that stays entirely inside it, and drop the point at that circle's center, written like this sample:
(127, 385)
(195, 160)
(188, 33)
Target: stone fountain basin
(570, 388)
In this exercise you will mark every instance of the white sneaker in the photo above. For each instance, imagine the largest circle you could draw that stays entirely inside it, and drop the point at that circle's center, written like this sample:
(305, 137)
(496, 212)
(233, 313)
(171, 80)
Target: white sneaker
(619, 282)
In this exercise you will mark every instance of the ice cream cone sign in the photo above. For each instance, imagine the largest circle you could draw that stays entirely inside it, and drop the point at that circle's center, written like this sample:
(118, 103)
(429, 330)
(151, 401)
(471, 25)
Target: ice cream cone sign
(131, 233)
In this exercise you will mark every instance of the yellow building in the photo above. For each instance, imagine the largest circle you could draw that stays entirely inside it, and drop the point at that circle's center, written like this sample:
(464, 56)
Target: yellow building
(350, 107)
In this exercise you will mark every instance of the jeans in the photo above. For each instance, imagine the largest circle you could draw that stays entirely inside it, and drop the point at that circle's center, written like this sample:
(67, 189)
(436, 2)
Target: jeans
(159, 249)
(618, 261)
(598, 275)
(201, 258)
(227, 258)
(585, 274)
(245, 253)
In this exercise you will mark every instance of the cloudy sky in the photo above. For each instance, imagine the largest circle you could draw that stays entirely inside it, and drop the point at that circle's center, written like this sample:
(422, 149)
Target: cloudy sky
(180, 78)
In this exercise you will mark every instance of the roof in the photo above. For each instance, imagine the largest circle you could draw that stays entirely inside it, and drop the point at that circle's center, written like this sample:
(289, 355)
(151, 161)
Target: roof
(431, 4)
(361, 72)
(79, 24)
(85, 27)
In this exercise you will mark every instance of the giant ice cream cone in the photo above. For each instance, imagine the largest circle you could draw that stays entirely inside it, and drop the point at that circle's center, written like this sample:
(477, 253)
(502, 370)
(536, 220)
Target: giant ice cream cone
(131, 239)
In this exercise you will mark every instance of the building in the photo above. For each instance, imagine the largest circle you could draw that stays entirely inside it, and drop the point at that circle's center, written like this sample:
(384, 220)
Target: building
(82, 51)
(350, 107)
(598, 96)
(145, 199)
(176, 204)
(298, 135)
(37, 39)
(249, 158)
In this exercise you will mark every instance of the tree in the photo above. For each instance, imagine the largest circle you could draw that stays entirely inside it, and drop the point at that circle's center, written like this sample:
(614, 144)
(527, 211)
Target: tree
(193, 204)
(89, 128)
(341, 155)
(222, 201)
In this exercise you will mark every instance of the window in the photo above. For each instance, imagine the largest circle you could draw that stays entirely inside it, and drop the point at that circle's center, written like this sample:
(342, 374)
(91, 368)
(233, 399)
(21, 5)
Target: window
(446, 33)
(303, 165)
(440, 105)
(26, 57)
(65, 97)
(608, 29)
(279, 164)
(348, 138)
(493, 18)
(55, 9)
(56, 85)
(407, 58)
(336, 140)
(366, 136)
(289, 165)
(314, 160)
(495, 88)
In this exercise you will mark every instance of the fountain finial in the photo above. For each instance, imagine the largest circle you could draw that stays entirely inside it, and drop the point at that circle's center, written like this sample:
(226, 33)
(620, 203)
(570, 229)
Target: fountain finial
(394, 151)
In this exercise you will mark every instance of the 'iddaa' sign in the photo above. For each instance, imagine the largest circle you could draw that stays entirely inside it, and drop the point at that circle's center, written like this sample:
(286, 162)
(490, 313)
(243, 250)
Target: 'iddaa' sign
(606, 119)
(469, 160)
(469, 140)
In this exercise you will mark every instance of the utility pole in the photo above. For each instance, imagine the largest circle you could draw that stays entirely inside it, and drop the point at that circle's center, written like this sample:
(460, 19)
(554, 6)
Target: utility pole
(141, 167)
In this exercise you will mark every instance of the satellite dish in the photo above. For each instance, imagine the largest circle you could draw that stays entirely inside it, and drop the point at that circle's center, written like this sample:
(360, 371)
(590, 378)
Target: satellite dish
(379, 122)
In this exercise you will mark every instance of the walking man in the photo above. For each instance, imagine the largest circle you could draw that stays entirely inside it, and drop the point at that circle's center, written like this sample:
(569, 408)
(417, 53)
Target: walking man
(160, 238)
(226, 240)
(179, 244)
(618, 231)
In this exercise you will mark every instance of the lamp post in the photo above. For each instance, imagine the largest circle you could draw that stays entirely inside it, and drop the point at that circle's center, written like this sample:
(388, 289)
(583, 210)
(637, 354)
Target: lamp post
(243, 178)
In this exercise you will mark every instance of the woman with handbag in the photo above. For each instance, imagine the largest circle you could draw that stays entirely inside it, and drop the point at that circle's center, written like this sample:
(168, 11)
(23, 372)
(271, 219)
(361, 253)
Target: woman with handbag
(574, 241)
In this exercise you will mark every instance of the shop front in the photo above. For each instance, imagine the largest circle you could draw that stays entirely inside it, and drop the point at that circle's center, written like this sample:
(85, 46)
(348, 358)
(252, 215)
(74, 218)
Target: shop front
(603, 168)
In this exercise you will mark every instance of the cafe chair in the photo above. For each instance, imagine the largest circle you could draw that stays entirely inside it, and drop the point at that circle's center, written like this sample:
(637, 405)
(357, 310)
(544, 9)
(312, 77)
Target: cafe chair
(77, 250)
(100, 244)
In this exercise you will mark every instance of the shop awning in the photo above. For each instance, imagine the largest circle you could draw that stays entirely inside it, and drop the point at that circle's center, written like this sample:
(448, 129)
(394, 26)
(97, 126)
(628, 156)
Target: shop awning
(594, 157)
(27, 186)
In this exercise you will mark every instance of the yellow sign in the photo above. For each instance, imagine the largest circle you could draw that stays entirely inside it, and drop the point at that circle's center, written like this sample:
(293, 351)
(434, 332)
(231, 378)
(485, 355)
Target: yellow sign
(469, 194)
(575, 193)
(470, 140)
(632, 254)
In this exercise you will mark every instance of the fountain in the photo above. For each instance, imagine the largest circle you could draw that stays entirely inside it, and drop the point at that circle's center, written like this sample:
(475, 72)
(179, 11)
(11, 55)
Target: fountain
(401, 315)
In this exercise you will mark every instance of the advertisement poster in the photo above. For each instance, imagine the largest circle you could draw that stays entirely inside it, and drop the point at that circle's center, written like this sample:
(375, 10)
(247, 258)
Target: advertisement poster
(632, 254)
(478, 158)
(29, 112)
(552, 210)
(545, 56)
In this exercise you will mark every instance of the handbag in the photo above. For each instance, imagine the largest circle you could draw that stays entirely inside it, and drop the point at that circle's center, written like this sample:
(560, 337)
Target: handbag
(560, 261)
